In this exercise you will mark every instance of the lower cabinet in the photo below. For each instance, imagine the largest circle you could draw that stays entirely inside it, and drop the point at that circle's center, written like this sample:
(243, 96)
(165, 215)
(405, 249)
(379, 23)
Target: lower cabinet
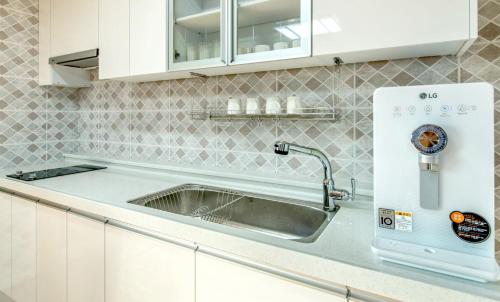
(145, 269)
(218, 280)
(85, 259)
(5, 243)
(23, 250)
(51, 254)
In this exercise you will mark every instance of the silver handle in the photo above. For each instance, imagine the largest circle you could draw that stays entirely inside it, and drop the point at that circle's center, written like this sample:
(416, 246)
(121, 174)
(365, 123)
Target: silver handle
(87, 215)
(336, 289)
(146, 233)
(340, 290)
(223, 31)
(232, 16)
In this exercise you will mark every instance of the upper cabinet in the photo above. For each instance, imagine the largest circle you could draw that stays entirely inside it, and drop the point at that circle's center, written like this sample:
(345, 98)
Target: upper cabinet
(198, 33)
(66, 27)
(132, 38)
(266, 30)
(74, 26)
(360, 31)
(148, 36)
(114, 38)
(168, 39)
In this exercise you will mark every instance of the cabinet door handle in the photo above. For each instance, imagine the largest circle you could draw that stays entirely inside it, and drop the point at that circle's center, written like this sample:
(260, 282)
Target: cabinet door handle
(147, 233)
(333, 288)
(223, 30)
(341, 290)
(87, 215)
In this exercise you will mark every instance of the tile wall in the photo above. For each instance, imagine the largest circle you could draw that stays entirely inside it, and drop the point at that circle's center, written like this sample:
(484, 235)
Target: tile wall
(30, 128)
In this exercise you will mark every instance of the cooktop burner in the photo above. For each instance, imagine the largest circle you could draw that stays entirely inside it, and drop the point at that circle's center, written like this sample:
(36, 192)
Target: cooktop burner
(49, 173)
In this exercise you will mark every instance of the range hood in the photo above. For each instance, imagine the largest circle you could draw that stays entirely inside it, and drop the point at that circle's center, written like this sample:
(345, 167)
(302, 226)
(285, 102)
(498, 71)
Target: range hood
(82, 59)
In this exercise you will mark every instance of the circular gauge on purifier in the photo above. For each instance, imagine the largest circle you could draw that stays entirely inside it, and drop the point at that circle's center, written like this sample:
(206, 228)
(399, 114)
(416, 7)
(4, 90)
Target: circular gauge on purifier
(429, 139)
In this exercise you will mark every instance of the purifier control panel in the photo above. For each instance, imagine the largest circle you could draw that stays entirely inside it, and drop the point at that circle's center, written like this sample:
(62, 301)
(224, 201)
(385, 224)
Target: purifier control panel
(443, 110)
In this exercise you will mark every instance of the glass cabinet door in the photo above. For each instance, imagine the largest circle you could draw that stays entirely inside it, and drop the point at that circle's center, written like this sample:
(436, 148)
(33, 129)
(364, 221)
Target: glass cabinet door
(270, 30)
(197, 34)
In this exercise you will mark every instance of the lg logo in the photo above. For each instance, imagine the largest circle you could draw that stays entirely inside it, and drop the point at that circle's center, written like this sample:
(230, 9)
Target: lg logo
(425, 96)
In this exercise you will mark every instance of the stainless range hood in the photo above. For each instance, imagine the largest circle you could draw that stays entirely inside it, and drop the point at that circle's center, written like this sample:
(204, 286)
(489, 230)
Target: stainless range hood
(83, 59)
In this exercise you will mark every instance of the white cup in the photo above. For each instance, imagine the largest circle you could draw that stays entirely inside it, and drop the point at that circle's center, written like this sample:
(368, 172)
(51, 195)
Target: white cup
(253, 106)
(192, 53)
(273, 106)
(262, 47)
(233, 106)
(293, 105)
(216, 49)
(280, 45)
(205, 51)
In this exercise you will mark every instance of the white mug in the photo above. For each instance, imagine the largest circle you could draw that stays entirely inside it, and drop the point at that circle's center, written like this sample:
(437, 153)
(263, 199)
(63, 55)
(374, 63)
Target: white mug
(262, 47)
(205, 51)
(273, 106)
(280, 45)
(253, 106)
(293, 105)
(192, 53)
(233, 106)
(296, 43)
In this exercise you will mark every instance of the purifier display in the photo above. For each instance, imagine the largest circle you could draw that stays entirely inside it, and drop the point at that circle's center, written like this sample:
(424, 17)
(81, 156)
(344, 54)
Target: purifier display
(434, 178)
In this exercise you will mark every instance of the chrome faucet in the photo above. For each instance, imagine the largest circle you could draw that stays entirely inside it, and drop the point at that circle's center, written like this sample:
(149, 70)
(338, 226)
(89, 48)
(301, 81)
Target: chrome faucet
(330, 193)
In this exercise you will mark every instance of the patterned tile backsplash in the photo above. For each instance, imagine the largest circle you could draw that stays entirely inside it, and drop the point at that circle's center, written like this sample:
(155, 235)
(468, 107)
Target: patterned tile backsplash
(150, 121)
(34, 124)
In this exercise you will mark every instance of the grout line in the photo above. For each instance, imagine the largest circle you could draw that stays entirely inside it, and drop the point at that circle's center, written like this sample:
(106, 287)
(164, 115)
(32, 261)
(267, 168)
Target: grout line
(170, 138)
(6, 7)
(459, 69)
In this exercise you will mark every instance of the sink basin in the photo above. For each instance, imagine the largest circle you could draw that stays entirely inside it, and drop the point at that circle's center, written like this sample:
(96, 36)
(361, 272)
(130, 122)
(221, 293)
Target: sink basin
(283, 218)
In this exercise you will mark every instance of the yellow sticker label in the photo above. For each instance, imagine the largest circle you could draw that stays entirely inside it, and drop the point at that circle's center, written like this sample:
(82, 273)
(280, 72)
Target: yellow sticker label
(407, 214)
(404, 221)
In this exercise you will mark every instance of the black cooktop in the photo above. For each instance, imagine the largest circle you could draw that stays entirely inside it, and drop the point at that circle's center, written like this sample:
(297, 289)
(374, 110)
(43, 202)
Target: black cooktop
(49, 173)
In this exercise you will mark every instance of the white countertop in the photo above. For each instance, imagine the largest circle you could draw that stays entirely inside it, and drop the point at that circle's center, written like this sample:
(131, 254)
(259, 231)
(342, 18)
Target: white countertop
(340, 255)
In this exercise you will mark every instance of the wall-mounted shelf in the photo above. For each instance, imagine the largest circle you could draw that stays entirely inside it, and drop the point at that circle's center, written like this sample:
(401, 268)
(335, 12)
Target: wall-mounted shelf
(250, 12)
(315, 114)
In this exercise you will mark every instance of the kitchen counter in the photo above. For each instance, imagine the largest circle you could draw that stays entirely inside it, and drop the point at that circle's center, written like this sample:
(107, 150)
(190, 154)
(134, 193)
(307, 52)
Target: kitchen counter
(341, 255)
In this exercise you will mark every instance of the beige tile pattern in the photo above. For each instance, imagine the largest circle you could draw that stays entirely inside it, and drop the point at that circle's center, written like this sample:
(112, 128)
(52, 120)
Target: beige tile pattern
(36, 124)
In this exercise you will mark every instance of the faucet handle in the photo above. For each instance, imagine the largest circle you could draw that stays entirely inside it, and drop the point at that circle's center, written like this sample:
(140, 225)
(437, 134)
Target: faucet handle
(340, 194)
(281, 148)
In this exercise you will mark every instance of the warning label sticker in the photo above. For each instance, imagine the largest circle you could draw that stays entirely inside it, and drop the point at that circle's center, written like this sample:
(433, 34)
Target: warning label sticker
(403, 221)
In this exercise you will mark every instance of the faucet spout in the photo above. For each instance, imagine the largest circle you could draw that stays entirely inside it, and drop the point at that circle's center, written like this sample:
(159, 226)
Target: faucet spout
(330, 193)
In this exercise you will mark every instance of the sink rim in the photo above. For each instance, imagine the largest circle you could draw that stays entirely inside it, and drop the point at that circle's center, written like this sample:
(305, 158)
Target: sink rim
(328, 216)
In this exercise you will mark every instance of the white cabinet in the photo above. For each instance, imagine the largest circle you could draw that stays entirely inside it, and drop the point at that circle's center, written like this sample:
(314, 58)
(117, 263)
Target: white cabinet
(53, 41)
(114, 38)
(223, 281)
(51, 254)
(359, 30)
(198, 34)
(148, 36)
(145, 269)
(132, 37)
(85, 259)
(23, 250)
(270, 30)
(5, 242)
(74, 26)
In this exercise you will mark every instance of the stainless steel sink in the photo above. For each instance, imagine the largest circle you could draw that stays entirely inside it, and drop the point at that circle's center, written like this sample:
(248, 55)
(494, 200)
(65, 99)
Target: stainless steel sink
(283, 218)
